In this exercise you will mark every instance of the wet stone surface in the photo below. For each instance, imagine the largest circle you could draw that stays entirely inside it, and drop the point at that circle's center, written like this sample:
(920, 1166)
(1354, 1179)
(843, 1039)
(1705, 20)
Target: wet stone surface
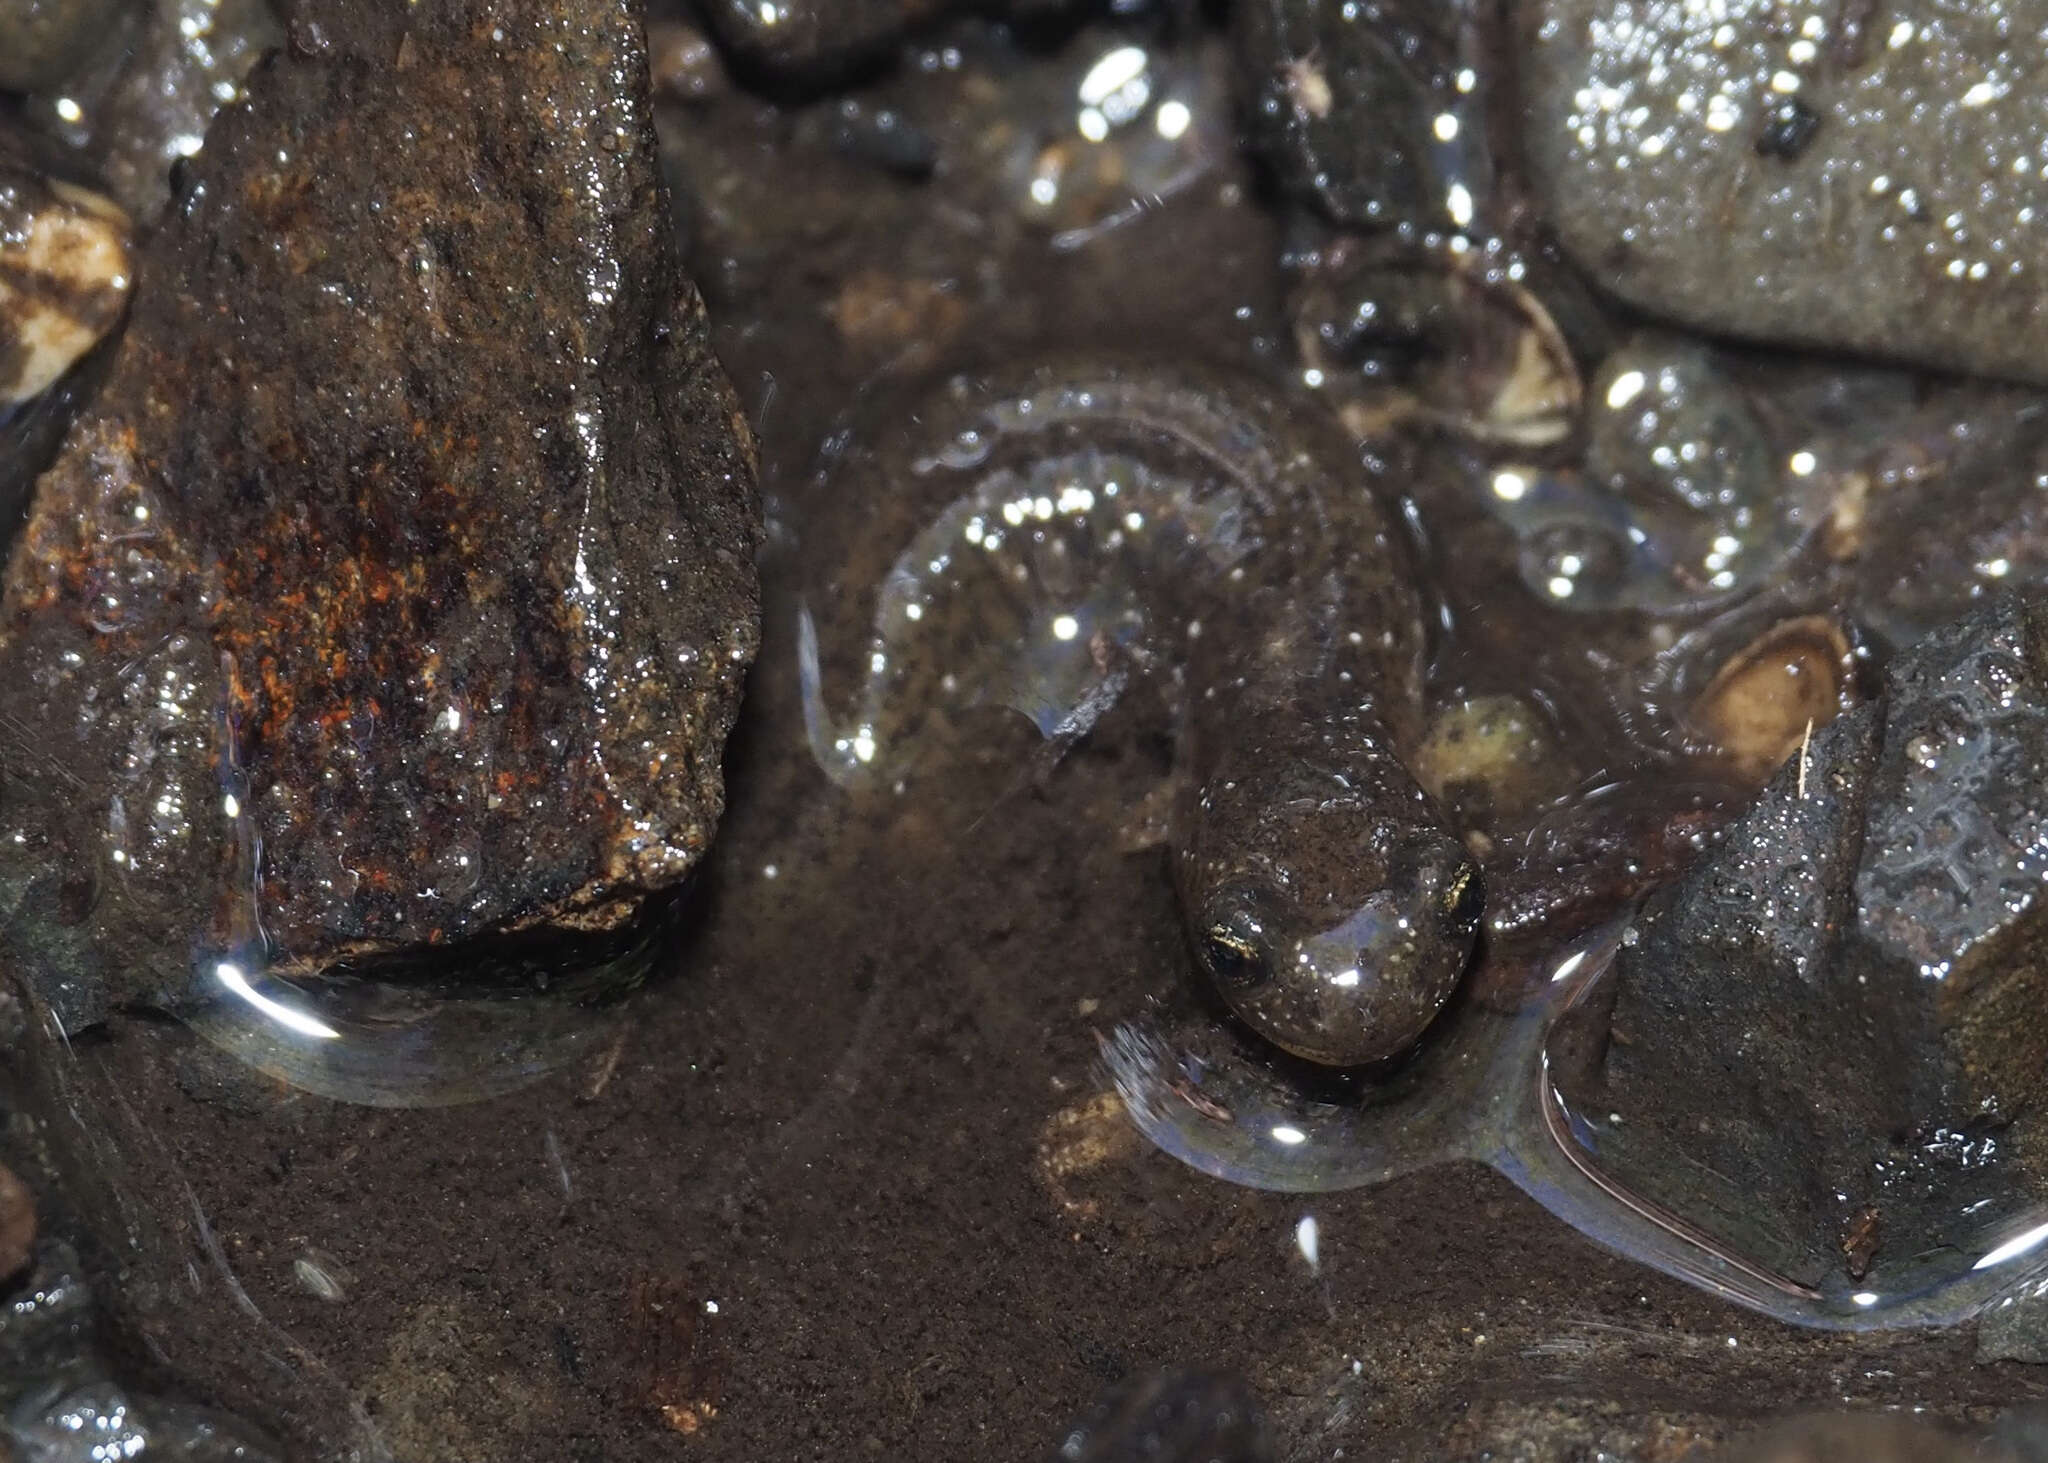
(1823, 1036)
(409, 543)
(1851, 178)
(1371, 111)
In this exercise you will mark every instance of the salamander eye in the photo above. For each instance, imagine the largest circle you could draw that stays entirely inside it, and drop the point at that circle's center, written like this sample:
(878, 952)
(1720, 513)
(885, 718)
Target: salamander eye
(1234, 951)
(1464, 897)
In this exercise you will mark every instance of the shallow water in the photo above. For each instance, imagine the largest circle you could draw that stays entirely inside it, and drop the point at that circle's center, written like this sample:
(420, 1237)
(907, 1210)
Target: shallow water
(712, 1218)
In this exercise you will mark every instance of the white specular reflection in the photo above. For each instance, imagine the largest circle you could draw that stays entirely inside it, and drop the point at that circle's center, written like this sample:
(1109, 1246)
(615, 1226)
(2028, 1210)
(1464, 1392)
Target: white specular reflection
(231, 976)
(2013, 1248)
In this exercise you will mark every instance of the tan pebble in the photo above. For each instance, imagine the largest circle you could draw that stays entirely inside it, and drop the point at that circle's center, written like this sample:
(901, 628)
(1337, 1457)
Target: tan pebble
(1079, 1139)
(1842, 531)
(1492, 751)
(883, 313)
(65, 276)
(1796, 676)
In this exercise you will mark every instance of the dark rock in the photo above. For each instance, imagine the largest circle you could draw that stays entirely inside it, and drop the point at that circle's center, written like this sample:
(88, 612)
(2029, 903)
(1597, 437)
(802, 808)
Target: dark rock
(400, 590)
(1951, 908)
(1777, 174)
(1345, 102)
(1818, 1033)
(1943, 508)
(811, 35)
(1174, 1416)
(141, 102)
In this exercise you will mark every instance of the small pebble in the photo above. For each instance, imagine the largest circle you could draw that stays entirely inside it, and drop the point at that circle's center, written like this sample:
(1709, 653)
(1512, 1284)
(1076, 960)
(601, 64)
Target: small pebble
(1772, 694)
(683, 64)
(65, 276)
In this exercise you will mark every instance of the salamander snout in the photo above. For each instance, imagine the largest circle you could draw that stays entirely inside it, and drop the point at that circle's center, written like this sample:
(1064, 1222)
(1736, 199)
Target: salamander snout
(1346, 981)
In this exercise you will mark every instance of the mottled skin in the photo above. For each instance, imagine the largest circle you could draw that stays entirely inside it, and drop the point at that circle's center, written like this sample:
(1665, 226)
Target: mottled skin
(1320, 886)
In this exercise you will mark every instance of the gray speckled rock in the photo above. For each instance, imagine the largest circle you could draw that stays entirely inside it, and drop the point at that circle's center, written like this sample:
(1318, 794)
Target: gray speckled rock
(1792, 173)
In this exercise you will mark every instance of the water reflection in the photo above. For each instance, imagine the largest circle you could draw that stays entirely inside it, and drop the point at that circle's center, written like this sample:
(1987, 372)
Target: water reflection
(1484, 1091)
(1678, 501)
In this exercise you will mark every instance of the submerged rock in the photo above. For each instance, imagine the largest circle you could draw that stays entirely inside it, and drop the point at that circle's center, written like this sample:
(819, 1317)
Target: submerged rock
(1868, 1439)
(802, 35)
(60, 1403)
(1806, 174)
(1823, 1036)
(1371, 111)
(399, 591)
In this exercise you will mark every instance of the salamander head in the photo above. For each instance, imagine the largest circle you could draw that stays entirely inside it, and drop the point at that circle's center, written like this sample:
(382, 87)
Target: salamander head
(1335, 921)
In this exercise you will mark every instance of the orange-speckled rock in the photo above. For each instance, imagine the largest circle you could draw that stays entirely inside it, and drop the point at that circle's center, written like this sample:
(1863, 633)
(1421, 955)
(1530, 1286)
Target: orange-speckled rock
(400, 588)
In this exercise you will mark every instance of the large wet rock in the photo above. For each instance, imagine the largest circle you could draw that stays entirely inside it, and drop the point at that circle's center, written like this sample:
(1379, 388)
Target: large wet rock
(1810, 173)
(1823, 1035)
(399, 591)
